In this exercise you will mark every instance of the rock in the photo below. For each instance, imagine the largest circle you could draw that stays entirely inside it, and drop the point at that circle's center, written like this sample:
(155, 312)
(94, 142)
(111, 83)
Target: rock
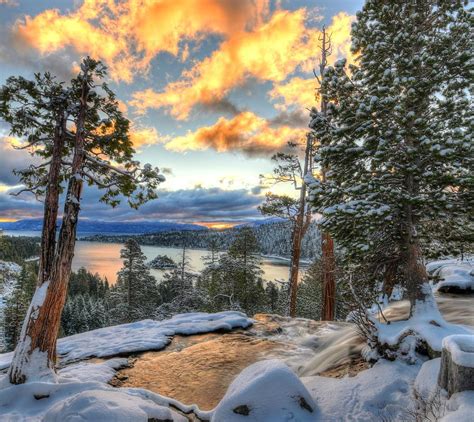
(267, 391)
(457, 364)
(109, 405)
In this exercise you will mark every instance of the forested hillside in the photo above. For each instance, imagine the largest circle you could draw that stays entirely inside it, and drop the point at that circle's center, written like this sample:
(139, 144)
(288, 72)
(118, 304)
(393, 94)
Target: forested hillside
(273, 239)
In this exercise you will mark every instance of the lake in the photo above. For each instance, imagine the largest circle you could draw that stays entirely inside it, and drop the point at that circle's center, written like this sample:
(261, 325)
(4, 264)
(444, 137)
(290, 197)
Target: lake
(104, 258)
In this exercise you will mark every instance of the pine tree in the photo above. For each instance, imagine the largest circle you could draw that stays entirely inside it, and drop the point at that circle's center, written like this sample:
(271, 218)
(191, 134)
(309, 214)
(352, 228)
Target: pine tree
(17, 305)
(398, 136)
(136, 295)
(81, 136)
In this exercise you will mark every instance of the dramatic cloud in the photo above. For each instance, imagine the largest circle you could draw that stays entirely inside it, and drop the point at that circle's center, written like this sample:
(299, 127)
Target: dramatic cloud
(269, 53)
(190, 205)
(246, 132)
(129, 34)
(143, 136)
(299, 92)
(11, 159)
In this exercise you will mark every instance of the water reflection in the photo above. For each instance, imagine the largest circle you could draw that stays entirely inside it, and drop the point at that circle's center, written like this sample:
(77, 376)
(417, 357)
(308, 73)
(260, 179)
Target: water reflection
(104, 259)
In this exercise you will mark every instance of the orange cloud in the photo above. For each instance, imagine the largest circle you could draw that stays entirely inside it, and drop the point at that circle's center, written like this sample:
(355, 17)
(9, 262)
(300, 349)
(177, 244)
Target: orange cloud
(246, 132)
(144, 136)
(270, 52)
(301, 92)
(297, 91)
(128, 34)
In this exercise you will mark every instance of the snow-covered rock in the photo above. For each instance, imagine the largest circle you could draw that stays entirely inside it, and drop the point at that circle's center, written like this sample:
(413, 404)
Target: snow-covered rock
(458, 408)
(266, 391)
(103, 405)
(457, 364)
(455, 278)
(140, 336)
(77, 401)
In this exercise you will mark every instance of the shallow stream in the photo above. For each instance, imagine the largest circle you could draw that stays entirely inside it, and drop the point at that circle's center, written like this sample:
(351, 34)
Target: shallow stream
(199, 368)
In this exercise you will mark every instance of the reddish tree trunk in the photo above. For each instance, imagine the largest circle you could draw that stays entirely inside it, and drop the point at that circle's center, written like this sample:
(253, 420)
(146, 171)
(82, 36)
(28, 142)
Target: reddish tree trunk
(303, 219)
(51, 203)
(294, 266)
(328, 310)
(35, 355)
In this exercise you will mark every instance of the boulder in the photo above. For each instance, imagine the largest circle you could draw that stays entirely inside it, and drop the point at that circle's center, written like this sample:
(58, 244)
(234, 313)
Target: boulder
(267, 391)
(457, 364)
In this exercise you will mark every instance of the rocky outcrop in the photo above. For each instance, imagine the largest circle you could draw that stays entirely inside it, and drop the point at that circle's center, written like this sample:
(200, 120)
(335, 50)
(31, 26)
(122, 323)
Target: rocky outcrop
(457, 364)
(266, 391)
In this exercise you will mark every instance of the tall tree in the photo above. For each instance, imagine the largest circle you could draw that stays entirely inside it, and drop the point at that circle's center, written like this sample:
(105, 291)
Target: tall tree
(135, 296)
(92, 145)
(17, 305)
(328, 308)
(398, 136)
(298, 211)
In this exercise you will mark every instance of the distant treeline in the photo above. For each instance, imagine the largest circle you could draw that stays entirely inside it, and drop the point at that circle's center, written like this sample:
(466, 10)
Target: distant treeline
(17, 249)
(273, 239)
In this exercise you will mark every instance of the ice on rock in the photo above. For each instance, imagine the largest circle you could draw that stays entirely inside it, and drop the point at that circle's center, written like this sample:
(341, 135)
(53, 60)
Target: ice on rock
(267, 391)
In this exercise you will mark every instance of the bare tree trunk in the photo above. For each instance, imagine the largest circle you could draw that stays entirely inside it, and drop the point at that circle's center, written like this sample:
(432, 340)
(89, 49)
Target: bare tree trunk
(328, 309)
(35, 355)
(299, 231)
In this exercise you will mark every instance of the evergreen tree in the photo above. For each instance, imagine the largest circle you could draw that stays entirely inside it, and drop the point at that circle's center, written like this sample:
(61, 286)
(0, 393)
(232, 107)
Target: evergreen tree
(178, 292)
(239, 275)
(83, 137)
(397, 138)
(136, 295)
(17, 306)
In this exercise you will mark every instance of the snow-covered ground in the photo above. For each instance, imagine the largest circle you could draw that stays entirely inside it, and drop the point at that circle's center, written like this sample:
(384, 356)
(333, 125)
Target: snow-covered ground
(267, 391)
(140, 336)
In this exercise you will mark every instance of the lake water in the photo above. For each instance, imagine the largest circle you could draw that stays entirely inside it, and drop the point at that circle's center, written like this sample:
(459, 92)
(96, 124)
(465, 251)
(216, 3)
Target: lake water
(104, 258)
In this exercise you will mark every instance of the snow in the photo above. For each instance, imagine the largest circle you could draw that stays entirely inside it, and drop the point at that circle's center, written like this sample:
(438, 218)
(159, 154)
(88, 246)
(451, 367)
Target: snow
(140, 336)
(461, 348)
(106, 405)
(426, 322)
(38, 299)
(426, 383)
(381, 391)
(268, 391)
(459, 275)
(459, 408)
(77, 401)
(100, 372)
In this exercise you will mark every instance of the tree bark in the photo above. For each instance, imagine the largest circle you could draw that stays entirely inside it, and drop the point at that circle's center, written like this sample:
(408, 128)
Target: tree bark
(328, 309)
(35, 355)
(51, 202)
(299, 230)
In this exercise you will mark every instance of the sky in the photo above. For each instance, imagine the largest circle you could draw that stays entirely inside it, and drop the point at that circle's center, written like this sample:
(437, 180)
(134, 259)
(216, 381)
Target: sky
(213, 88)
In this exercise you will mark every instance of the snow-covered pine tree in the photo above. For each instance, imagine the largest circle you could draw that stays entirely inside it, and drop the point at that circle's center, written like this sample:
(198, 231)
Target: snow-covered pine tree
(81, 136)
(399, 140)
(17, 305)
(135, 296)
